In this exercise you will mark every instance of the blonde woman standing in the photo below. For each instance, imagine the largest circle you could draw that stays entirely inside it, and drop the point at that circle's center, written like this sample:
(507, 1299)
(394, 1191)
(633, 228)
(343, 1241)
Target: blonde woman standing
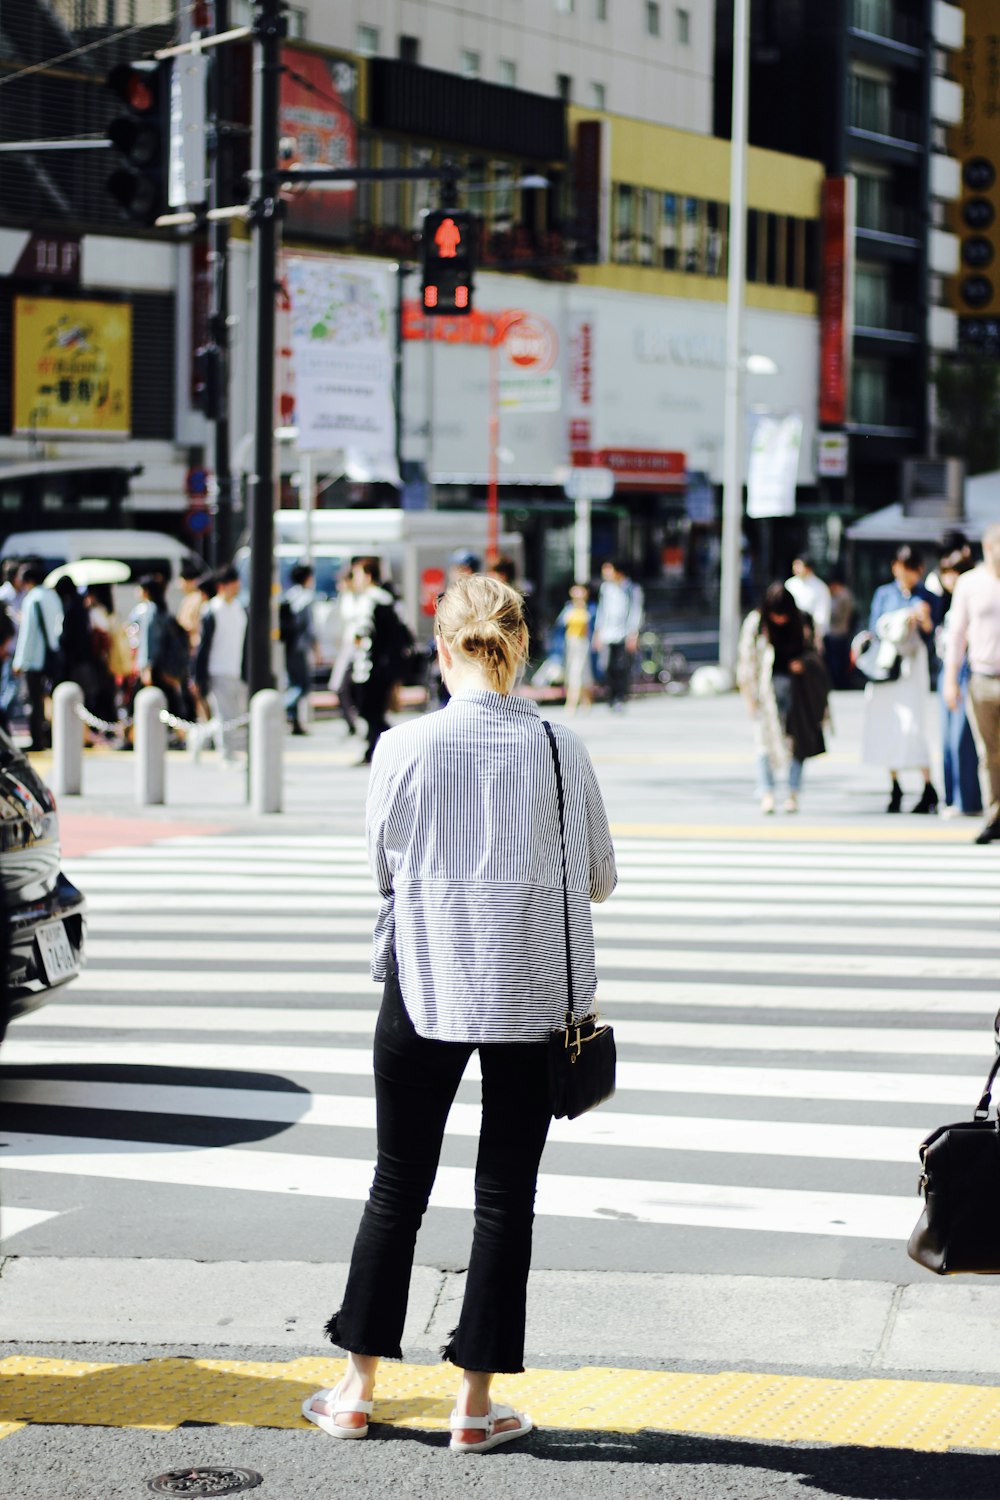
(463, 836)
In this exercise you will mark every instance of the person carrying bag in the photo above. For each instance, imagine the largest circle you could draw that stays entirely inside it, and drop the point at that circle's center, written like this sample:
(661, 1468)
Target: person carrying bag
(486, 884)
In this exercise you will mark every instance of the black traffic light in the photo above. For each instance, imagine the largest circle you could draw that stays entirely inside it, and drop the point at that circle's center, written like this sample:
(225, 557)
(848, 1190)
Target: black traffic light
(447, 262)
(142, 136)
(978, 284)
(206, 386)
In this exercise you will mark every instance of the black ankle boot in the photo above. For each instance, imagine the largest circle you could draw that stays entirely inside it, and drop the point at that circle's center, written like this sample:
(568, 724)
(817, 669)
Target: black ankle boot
(896, 800)
(928, 800)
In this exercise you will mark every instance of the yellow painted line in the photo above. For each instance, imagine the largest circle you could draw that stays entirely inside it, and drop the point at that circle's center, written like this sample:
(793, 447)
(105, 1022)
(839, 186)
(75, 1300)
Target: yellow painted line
(163, 1393)
(790, 830)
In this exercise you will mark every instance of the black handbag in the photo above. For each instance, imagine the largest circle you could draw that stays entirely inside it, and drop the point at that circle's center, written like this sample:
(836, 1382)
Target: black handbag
(581, 1053)
(959, 1229)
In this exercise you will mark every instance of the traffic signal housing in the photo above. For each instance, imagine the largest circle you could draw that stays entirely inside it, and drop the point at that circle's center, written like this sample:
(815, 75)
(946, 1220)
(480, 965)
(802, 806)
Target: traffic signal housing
(142, 136)
(207, 383)
(447, 263)
(978, 289)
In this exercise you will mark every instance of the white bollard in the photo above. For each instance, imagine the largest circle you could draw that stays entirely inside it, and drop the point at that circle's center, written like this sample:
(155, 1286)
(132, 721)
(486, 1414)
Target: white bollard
(267, 743)
(150, 747)
(67, 740)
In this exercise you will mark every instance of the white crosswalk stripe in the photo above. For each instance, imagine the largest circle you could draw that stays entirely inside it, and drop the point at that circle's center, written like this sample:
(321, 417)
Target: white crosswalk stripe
(813, 1006)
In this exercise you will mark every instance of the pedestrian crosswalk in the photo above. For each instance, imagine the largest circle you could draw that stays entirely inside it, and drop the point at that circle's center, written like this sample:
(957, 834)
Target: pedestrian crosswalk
(791, 1020)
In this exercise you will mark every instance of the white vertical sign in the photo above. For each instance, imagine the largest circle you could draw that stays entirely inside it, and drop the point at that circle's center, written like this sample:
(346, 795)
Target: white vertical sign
(775, 442)
(187, 180)
(341, 341)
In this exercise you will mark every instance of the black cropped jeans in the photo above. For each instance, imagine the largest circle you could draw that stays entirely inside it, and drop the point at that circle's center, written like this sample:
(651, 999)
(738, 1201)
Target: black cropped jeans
(416, 1080)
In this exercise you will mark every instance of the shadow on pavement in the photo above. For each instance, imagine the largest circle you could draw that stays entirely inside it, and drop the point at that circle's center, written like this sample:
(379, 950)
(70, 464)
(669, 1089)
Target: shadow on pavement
(847, 1473)
(177, 1118)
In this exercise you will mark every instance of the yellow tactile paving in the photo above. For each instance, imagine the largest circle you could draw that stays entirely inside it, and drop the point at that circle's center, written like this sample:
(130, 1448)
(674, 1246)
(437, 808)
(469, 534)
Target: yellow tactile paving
(163, 1393)
(790, 830)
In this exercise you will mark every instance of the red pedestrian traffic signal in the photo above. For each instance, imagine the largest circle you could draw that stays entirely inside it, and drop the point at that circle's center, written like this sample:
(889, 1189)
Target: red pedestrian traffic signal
(447, 262)
(141, 136)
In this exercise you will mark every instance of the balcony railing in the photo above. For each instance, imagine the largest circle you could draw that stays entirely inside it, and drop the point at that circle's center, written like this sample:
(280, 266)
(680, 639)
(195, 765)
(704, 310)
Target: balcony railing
(884, 411)
(888, 218)
(886, 318)
(877, 117)
(880, 18)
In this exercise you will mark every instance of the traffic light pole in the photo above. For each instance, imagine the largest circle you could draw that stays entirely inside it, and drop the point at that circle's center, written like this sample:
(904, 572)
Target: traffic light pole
(265, 205)
(218, 260)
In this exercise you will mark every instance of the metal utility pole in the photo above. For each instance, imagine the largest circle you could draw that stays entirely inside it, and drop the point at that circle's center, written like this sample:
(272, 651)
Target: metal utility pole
(218, 259)
(269, 31)
(732, 461)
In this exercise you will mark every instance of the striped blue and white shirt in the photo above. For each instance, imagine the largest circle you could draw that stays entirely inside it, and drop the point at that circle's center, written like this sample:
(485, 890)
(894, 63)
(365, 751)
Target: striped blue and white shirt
(463, 839)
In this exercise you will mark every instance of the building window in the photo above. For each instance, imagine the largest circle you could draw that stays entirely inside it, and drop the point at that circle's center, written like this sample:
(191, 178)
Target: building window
(869, 394)
(565, 7)
(873, 202)
(367, 43)
(648, 205)
(716, 223)
(600, 10)
(871, 104)
(683, 27)
(871, 297)
(668, 232)
(653, 17)
(623, 250)
(692, 242)
(409, 49)
(597, 96)
(507, 72)
(471, 63)
(564, 87)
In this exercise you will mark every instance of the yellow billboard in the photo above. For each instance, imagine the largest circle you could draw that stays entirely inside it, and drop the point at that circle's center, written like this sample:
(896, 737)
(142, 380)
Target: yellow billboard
(72, 367)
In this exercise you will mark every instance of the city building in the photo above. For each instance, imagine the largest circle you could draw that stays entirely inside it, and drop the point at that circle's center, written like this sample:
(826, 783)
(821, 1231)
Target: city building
(597, 337)
(867, 87)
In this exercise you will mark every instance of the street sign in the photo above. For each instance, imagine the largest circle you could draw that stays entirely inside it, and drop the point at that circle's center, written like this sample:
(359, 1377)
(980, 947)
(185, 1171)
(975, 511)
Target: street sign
(187, 173)
(831, 455)
(589, 484)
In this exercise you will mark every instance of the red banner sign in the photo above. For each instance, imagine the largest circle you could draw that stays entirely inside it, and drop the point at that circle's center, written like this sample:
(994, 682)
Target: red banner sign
(643, 468)
(835, 308)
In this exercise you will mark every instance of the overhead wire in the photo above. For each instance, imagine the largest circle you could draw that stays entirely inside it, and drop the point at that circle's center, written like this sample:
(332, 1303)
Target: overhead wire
(113, 37)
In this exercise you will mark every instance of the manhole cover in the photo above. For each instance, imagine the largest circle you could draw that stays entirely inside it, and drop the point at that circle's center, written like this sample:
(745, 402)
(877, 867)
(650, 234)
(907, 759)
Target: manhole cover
(204, 1481)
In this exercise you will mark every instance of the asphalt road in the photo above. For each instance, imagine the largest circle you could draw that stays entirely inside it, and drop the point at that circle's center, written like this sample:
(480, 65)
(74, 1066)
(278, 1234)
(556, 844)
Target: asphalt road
(798, 1001)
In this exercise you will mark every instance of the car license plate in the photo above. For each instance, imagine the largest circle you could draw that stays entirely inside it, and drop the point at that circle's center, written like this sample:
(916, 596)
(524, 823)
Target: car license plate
(58, 957)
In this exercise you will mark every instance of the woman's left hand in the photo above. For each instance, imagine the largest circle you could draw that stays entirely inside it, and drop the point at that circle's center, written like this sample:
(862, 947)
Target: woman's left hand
(796, 667)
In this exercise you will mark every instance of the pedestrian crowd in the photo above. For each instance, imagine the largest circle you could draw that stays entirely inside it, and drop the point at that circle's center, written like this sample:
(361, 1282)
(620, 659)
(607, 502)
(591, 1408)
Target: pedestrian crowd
(55, 630)
(938, 634)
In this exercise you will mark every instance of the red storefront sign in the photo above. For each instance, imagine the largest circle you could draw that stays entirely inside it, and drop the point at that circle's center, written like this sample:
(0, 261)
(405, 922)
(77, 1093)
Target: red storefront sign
(643, 468)
(835, 300)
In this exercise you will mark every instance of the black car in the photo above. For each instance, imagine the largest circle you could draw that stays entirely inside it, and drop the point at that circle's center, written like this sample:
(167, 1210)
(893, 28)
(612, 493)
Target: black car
(43, 915)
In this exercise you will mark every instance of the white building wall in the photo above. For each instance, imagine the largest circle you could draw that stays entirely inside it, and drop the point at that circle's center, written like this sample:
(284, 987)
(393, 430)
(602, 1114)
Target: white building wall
(657, 378)
(661, 79)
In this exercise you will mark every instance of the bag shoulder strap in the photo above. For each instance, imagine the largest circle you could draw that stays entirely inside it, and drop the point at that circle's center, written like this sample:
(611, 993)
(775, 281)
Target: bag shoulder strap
(565, 879)
(41, 625)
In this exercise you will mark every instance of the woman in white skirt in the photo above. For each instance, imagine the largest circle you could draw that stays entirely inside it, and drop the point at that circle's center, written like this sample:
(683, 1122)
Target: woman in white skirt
(895, 730)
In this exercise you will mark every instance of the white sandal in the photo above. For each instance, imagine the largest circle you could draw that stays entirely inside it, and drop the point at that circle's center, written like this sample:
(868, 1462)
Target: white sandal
(459, 1422)
(329, 1423)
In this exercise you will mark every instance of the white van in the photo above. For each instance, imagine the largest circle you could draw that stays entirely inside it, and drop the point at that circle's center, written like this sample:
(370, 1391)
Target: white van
(143, 551)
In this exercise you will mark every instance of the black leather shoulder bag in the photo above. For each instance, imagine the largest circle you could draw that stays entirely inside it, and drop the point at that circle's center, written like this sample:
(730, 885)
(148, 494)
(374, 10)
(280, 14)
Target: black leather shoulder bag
(959, 1229)
(582, 1052)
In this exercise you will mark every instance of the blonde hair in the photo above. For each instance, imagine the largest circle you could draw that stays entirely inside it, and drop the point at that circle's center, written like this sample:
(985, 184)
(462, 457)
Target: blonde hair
(482, 620)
